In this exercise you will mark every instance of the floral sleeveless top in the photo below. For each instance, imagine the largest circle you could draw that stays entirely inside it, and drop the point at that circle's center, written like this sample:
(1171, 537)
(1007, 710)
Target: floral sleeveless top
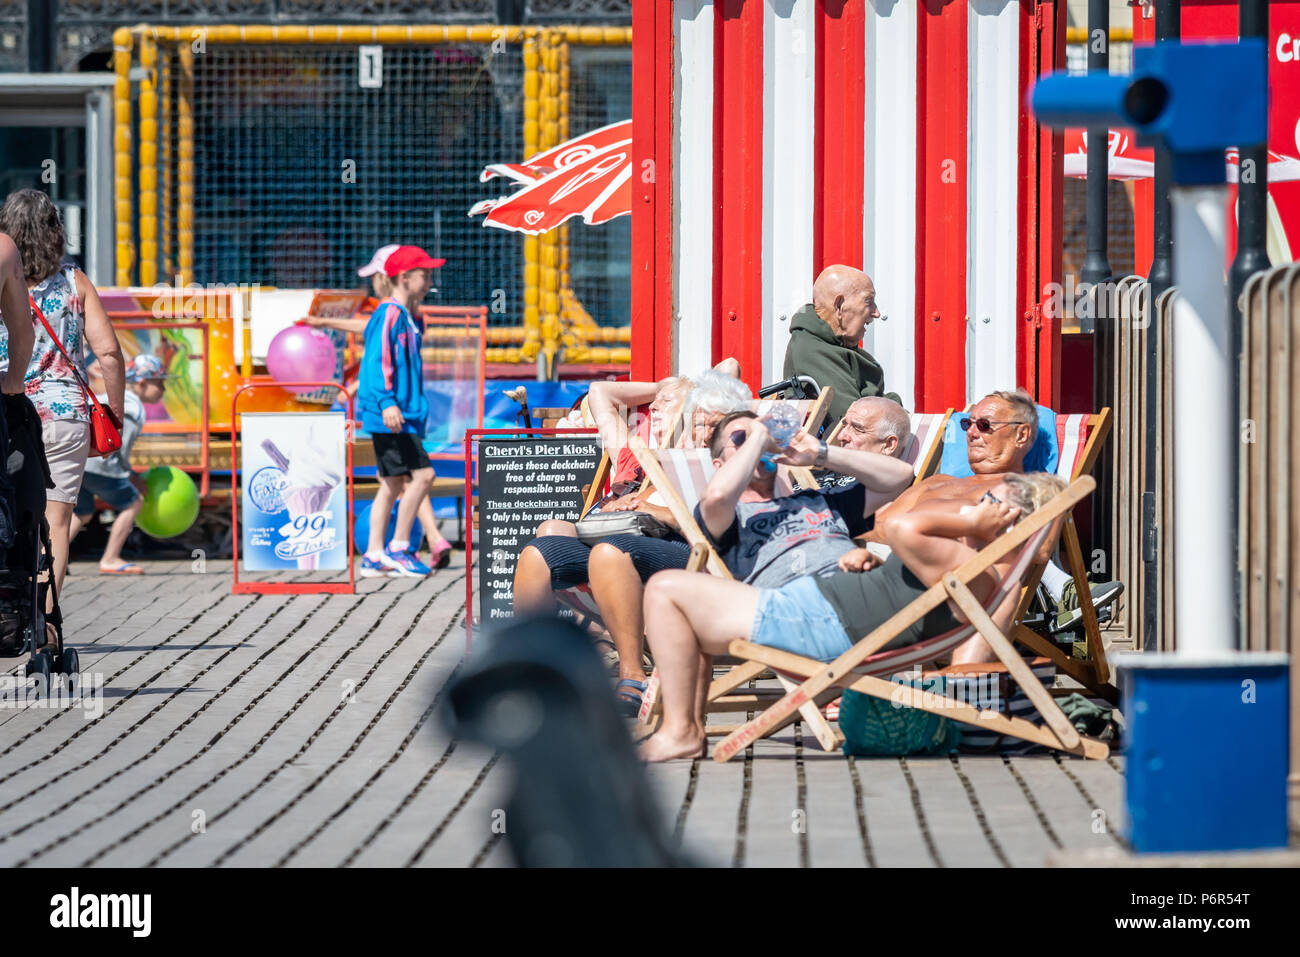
(52, 385)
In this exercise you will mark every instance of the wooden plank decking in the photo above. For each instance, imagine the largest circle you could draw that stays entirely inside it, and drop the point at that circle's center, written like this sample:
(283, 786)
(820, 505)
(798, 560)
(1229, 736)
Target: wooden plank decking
(272, 730)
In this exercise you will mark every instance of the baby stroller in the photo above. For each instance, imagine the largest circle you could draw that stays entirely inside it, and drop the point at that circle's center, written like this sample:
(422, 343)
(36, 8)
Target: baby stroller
(25, 554)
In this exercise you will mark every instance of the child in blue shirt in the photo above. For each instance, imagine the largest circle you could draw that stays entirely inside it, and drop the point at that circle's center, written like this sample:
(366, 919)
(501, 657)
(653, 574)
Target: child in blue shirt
(393, 409)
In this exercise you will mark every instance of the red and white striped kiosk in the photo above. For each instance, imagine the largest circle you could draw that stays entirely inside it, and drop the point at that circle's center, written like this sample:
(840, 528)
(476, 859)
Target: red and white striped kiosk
(775, 137)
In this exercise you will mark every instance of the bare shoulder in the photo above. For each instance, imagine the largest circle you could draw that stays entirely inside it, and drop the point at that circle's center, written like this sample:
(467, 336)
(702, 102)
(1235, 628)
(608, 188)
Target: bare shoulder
(8, 251)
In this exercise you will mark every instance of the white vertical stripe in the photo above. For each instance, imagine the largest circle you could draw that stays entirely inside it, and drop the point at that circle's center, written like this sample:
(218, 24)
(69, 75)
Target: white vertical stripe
(889, 193)
(789, 86)
(692, 185)
(992, 226)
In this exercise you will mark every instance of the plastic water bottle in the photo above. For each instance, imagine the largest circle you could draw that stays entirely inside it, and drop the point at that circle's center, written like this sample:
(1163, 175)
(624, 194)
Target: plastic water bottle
(782, 422)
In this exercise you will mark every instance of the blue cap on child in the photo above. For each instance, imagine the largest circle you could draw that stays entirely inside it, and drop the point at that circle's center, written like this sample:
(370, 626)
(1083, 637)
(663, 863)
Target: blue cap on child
(145, 366)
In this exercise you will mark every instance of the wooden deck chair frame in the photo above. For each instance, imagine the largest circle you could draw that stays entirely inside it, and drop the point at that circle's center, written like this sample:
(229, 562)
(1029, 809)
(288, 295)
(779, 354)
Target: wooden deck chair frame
(1094, 673)
(821, 678)
(705, 558)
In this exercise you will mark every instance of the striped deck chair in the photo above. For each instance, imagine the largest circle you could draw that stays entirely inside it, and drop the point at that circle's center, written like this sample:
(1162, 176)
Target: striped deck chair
(924, 444)
(1079, 440)
(579, 598)
(682, 476)
(696, 468)
(862, 668)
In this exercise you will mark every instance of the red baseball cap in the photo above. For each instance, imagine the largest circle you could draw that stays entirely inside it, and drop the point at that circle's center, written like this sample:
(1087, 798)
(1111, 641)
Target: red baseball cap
(409, 257)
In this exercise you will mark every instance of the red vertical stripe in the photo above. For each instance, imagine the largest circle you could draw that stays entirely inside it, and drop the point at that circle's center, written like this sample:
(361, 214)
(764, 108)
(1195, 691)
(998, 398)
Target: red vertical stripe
(1049, 215)
(941, 179)
(1144, 190)
(738, 186)
(840, 119)
(1027, 172)
(652, 152)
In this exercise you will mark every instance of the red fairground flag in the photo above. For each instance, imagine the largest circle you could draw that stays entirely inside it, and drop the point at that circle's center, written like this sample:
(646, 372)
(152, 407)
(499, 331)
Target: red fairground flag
(590, 176)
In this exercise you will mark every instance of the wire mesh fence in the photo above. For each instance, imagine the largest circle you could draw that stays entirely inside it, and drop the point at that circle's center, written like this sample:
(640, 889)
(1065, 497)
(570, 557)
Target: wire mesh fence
(600, 93)
(300, 174)
(289, 163)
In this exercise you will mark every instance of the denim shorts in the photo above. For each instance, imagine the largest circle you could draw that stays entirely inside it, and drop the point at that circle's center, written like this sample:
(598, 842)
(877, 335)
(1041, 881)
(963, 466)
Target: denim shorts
(116, 493)
(797, 618)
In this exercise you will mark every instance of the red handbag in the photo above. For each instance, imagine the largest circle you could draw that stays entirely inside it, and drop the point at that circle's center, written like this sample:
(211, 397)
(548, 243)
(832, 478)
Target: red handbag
(105, 426)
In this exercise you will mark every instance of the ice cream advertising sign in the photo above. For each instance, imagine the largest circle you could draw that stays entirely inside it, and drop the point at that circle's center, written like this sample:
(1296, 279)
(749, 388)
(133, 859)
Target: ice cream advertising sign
(294, 500)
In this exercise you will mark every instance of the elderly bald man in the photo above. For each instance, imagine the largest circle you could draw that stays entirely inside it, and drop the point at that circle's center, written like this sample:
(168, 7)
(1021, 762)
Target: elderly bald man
(824, 337)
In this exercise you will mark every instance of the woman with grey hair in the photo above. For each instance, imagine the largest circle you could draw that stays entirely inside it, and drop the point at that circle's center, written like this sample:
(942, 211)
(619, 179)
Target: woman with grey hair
(714, 395)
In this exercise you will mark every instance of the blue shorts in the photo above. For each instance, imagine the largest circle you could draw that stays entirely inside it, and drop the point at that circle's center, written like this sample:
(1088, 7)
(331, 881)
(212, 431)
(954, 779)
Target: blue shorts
(116, 493)
(797, 618)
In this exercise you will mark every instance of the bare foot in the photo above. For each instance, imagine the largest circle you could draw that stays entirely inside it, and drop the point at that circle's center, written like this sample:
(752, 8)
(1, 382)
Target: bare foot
(661, 747)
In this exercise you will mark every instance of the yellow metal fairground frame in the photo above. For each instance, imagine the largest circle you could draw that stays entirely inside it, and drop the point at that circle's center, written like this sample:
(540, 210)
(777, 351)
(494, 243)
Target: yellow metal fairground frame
(554, 321)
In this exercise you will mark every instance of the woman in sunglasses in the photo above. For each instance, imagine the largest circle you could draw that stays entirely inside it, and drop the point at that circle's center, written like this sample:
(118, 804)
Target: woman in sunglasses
(692, 617)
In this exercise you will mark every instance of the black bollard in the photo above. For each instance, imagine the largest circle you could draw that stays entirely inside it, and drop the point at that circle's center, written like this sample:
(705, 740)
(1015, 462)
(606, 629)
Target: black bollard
(538, 693)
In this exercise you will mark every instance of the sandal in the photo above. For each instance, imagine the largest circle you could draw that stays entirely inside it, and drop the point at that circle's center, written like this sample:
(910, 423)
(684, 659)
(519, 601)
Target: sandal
(440, 557)
(629, 701)
(130, 568)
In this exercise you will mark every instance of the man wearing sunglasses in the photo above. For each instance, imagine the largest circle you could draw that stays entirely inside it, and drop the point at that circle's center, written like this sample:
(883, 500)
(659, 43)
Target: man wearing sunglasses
(1000, 433)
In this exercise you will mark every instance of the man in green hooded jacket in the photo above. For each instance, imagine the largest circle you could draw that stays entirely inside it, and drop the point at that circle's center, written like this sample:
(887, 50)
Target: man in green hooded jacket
(824, 338)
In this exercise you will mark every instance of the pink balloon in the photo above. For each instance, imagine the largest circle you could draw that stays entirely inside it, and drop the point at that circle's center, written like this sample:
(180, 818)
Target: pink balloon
(301, 354)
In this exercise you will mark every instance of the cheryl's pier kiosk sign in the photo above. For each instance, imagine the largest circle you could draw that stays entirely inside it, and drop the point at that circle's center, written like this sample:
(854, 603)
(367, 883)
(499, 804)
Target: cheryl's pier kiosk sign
(525, 477)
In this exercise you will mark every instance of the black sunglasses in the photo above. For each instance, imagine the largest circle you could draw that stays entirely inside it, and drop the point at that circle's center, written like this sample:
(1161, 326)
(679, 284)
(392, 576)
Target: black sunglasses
(985, 425)
(738, 438)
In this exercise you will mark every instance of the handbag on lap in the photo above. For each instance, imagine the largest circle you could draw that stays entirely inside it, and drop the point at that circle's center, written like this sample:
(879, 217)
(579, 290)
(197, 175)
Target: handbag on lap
(603, 524)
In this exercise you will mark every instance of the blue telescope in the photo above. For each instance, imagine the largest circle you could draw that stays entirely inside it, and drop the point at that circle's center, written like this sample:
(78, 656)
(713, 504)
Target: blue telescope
(1195, 99)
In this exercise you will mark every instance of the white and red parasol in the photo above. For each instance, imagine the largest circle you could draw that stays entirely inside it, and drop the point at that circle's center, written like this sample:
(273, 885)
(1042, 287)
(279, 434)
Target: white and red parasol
(1130, 161)
(589, 176)
(1126, 159)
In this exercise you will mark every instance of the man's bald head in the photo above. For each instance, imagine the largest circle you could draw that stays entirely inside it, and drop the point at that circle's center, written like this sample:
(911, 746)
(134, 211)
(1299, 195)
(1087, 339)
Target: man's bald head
(876, 424)
(845, 299)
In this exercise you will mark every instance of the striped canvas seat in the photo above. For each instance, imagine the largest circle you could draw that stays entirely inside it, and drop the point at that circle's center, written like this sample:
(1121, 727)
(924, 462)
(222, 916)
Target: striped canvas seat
(689, 472)
(1071, 440)
(927, 435)
(885, 664)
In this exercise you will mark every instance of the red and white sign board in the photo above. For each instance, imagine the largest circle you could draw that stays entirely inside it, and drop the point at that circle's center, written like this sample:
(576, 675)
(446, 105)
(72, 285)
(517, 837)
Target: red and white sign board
(1217, 20)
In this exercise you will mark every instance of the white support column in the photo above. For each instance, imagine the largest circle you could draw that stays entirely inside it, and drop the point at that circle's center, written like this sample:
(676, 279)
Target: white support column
(889, 189)
(693, 159)
(993, 233)
(789, 87)
(1205, 428)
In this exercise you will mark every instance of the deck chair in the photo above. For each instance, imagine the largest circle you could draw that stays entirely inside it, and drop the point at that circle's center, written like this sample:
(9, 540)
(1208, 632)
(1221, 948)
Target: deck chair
(1079, 441)
(860, 667)
(923, 444)
(1079, 438)
(579, 598)
(682, 475)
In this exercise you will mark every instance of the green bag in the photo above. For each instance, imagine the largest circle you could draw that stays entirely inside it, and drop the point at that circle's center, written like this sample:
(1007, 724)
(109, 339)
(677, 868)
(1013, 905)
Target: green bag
(875, 727)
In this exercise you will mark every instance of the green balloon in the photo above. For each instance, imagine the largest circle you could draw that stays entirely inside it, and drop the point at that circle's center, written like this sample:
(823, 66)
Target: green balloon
(171, 502)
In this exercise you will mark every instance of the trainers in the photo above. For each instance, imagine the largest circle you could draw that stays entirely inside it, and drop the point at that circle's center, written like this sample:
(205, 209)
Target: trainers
(1068, 611)
(406, 563)
(381, 567)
